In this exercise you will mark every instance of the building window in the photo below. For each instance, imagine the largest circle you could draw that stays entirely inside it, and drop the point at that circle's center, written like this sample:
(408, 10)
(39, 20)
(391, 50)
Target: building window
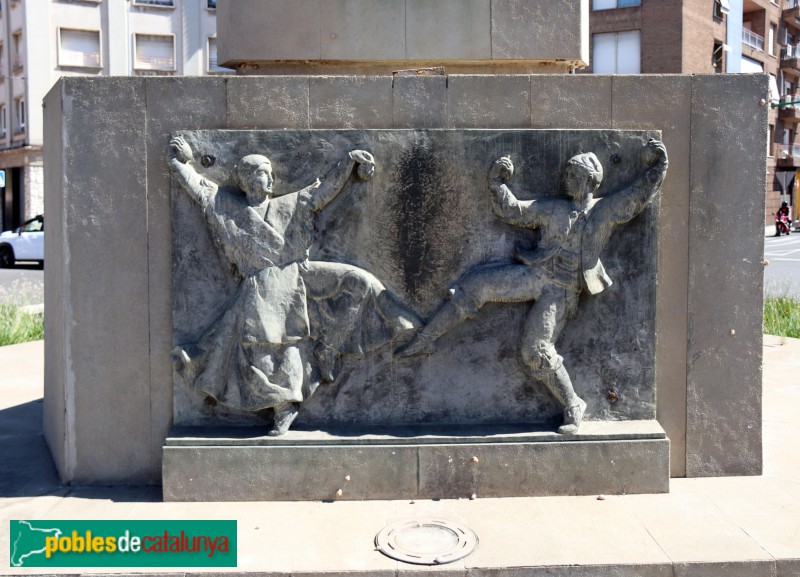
(17, 56)
(771, 40)
(3, 122)
(616, 53)
(213, 66)
(211, 4)
(608, 4)
(155, 3)
(721, 7)
(154, 52)
(717, 57)
(79, 48)
(19, 114)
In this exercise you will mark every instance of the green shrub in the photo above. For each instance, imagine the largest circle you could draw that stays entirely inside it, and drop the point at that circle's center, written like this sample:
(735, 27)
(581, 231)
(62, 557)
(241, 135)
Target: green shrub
(17, 326)
(782, 316)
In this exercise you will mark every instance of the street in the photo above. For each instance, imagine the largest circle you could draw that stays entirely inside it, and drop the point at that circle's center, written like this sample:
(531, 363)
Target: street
(782, 274)
(22, 285)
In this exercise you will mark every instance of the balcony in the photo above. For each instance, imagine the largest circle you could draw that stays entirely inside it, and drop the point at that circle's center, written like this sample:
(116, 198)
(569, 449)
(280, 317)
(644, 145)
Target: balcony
(791, 13)
(790, 59)
(750, 38)
(789, 108)
(788, 155)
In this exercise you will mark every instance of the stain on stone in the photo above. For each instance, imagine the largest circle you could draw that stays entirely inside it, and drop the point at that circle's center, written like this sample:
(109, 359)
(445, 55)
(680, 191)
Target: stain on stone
(422, 200)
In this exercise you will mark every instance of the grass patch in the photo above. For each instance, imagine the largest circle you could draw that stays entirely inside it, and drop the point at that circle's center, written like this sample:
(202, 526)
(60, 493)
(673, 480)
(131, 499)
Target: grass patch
(17, 326)
(782, 317)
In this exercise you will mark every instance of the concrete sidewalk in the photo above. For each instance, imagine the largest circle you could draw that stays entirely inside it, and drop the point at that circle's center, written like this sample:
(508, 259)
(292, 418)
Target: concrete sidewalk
(734, 526)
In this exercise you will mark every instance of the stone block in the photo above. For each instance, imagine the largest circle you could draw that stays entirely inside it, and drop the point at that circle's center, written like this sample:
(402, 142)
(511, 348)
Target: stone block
(173, 105)
(571, 101)
(363, 30)
(413, 463)
(725, 310)
(764, 568)
(489, 101)
(540, 29)
(443, 30)
(267, 102)
(106, 285)
(420, 101)
(788, 567)
(276, 30)
(55, 382)
(663, 102)
(350, 102)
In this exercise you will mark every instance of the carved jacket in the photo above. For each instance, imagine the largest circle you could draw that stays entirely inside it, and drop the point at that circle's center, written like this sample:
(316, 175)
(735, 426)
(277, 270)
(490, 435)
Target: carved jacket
(556, 216)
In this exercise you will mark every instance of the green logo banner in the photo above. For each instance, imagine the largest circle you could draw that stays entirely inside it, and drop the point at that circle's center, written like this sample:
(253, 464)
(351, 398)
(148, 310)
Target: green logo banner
(122, 543)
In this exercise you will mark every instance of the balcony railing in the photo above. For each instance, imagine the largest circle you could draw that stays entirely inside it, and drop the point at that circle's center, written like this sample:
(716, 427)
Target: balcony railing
(790, 51)
(788, 151)
(752, 39)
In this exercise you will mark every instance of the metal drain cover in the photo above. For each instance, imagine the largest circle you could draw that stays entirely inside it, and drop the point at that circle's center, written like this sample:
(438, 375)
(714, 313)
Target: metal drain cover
(426, 541)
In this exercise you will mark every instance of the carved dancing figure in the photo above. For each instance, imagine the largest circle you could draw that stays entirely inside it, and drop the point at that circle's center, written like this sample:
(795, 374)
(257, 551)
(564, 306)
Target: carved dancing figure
(574, 231)
(255, 355)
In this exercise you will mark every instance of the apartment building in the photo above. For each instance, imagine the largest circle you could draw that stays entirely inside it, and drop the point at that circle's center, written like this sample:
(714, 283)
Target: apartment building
(42, 40)
(706, 36)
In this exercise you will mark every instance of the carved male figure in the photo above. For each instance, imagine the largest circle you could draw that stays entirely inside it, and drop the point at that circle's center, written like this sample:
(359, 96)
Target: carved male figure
(574, 231)
(256, 354)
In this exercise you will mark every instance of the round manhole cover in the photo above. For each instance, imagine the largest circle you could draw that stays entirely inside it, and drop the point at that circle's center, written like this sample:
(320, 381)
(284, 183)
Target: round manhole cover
(426, 541)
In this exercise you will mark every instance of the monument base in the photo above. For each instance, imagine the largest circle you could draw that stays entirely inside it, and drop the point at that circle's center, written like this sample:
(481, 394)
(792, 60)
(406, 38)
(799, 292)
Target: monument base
(414, 463)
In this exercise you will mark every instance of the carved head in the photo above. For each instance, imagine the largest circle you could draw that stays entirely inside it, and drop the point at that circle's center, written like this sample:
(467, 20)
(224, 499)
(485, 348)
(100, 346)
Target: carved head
(254, 176)
(582, 175)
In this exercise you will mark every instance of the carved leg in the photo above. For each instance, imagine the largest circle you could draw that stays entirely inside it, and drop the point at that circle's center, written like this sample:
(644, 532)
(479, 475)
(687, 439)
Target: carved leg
(442, 321)
(285, 415)
(545, 322)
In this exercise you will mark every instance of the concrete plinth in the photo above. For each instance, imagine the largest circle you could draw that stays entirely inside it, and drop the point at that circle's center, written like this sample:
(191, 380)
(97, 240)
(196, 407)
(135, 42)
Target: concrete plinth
(415, 463)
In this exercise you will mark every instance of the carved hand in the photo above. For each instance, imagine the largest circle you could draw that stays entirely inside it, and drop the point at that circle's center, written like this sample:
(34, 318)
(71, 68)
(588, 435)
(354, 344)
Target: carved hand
(654, 152)
(181, 149)
(503, 169)
(366, 163)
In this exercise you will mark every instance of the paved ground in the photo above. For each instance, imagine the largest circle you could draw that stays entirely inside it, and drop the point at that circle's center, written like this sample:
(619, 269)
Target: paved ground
(727, 527)
(782, 274)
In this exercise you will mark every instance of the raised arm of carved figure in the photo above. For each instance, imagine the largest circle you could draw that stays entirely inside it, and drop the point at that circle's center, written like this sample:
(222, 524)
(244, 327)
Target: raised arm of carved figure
(504, 203)
(199, 188)
(626, 204)
(334, 181)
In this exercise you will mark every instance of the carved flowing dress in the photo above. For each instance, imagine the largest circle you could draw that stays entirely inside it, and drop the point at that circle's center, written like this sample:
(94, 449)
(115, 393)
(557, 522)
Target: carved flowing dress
(257, 354)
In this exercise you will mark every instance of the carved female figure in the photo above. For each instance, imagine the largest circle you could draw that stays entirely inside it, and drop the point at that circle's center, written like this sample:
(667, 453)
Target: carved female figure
(257, 354)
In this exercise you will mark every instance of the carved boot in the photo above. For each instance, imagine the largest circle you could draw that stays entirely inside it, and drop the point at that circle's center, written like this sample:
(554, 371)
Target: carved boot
(284, 417)
(560, 385)
(424, 342)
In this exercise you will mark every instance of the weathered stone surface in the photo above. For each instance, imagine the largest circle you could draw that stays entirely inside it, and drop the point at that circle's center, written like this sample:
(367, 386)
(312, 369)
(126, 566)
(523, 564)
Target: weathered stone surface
(723, 398)
(187, 102)
(581, 101)
(662, 102)
(420, 101)
(350, 102)
(448, 30)
(518, 31)
(105, 377)
(267, 102)
(400, 227)
(489, 101)
(610, 458)
(350, 26)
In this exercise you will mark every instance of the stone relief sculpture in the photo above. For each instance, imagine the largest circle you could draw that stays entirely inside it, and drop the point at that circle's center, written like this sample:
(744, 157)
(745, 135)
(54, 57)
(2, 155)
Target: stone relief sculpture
(281, 333)
(574, 230)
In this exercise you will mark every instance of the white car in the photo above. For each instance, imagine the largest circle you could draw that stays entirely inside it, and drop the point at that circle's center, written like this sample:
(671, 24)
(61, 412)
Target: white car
(23, 243)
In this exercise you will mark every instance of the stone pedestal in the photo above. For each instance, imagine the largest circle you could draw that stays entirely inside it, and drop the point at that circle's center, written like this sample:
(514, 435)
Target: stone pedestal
(414, 463)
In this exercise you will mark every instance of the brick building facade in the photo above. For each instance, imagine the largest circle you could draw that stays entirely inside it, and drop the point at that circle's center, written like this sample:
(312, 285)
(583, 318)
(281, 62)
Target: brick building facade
(703, 36)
